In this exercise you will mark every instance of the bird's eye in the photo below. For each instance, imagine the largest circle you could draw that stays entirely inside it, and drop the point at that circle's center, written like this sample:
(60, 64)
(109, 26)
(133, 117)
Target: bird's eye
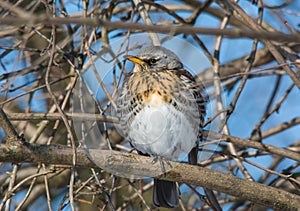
(152, 61)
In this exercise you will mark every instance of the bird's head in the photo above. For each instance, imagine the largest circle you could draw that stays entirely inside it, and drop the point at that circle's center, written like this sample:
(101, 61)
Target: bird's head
(155, 58)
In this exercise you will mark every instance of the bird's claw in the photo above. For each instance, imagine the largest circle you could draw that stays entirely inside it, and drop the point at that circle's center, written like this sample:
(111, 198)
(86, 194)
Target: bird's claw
(162, 164)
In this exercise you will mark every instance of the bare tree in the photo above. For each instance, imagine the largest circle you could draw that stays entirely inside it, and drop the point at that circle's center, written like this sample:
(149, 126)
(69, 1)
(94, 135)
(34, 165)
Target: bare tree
(59, 148)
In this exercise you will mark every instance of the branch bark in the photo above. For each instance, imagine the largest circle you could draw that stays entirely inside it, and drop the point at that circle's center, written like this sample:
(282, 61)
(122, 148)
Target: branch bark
(57, 116)
(143, 166)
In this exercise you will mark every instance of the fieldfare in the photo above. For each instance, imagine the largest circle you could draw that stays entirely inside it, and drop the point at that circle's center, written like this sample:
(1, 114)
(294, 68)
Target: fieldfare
(161, 110)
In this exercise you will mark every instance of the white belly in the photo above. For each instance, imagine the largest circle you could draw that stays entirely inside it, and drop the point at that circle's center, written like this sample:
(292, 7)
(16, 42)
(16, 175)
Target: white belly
(161, 130)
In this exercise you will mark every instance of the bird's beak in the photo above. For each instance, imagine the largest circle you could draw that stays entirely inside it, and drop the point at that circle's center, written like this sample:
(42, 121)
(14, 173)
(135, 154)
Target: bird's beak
(134, 59)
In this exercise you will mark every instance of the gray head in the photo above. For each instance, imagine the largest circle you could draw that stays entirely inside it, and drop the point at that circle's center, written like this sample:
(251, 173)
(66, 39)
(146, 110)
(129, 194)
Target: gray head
(157, 57)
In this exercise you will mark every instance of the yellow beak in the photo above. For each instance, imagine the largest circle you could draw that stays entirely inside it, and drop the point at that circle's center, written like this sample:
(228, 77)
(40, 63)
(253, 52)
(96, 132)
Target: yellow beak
(134, 59)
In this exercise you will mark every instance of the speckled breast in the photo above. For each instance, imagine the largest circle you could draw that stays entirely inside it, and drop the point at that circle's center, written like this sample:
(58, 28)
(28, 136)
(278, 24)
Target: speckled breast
(159, 114)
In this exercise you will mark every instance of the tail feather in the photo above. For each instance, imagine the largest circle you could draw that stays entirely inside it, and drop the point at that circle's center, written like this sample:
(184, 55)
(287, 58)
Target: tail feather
(165, 194)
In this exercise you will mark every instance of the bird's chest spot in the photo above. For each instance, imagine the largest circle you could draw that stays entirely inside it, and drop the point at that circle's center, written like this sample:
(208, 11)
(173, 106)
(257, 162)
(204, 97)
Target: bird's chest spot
(155, 98)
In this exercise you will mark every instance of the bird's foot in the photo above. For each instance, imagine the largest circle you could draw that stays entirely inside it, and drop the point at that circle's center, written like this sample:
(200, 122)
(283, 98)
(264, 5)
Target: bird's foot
(162, 162)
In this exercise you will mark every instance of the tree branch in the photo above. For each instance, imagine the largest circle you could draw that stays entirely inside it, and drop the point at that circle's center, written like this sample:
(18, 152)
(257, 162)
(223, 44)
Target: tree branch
(143, 166)
(7, 127)
(255, 144)
(232, 33)
(57, 116)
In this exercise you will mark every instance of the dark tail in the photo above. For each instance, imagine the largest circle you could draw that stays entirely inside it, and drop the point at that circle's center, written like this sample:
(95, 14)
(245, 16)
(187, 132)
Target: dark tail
(165, 194)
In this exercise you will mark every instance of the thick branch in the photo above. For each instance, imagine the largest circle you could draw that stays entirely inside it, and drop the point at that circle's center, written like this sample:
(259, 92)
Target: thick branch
(142, 166)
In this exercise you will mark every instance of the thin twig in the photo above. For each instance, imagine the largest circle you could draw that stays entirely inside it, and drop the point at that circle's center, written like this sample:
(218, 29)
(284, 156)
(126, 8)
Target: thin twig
(144, 14)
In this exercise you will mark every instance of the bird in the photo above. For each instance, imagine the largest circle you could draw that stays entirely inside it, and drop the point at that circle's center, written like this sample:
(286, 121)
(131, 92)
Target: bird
(161, 111)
